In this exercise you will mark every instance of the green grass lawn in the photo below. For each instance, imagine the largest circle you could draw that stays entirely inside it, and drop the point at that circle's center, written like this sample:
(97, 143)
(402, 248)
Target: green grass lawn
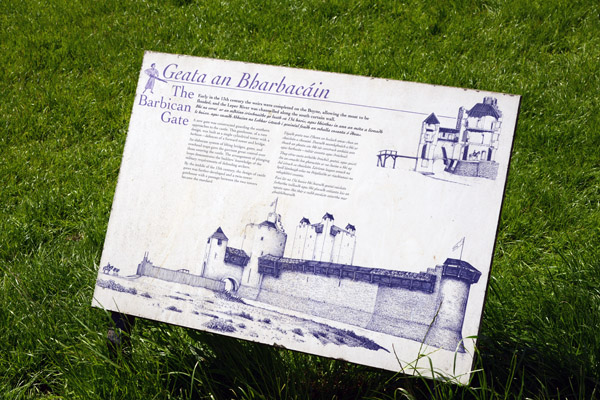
(68, 71)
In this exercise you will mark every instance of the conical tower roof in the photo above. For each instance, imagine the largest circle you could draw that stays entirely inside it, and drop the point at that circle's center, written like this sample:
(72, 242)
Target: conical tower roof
(219, 235)
(432, 119)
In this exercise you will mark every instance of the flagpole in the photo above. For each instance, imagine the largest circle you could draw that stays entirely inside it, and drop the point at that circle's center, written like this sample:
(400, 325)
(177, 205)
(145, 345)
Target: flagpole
(460, 243)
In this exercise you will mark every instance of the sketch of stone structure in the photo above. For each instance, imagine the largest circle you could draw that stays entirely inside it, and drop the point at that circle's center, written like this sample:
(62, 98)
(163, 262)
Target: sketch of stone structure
(467, 149)
(426, 307)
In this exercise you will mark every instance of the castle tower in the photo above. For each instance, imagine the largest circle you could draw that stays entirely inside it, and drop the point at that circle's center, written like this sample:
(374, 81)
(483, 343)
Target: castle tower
(303, 241)
(215, 253)
(455, 284)
(324, 239)
(266, 238)
(427, 144)
(344, 245)
(479, 140)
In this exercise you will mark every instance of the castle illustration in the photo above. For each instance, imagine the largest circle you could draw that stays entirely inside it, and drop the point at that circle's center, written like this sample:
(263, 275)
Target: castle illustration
(320, 279)
(468, 148)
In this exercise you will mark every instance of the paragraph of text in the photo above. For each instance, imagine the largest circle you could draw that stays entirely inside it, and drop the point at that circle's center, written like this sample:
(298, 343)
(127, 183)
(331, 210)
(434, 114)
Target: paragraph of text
(307, 161)
(225, 151)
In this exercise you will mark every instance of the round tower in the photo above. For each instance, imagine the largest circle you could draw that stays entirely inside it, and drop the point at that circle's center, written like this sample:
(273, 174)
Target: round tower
(265, 239)
(455, 284)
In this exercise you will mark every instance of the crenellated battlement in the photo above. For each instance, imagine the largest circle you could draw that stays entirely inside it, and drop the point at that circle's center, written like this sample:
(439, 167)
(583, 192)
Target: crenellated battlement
(273, 266)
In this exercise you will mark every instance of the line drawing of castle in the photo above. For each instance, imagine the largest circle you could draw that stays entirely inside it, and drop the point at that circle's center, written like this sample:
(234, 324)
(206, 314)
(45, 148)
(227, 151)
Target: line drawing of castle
(466, 149)
(427, 307)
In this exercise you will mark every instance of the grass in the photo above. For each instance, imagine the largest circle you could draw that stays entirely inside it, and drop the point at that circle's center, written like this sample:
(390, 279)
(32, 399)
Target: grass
(67, 79)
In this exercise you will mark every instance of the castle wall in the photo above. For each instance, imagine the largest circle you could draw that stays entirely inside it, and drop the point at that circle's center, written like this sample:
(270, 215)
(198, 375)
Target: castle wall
(250, 275)
(488, 169)
(348, 315)
(435, 318)
(219, 270)
(145, 268)
(336, 292)
(452, 150)
(413, 305)
(404, 312)
(482, 169)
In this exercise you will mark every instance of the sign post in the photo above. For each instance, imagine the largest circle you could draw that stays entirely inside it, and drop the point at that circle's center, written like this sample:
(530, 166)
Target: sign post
(322, 212)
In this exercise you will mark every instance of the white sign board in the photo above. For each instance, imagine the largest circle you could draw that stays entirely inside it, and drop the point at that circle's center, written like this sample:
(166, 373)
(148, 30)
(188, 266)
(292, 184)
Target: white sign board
(337, 215)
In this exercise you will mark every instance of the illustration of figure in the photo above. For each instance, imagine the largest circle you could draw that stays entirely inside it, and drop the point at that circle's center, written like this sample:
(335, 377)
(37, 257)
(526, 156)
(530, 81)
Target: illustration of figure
(153, 75)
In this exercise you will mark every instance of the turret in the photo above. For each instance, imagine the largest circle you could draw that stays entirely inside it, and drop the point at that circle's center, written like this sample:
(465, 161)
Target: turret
(324, 242)
(455, 284)
(427, 143)
(301, 248)
(344, 244)
(214, 255)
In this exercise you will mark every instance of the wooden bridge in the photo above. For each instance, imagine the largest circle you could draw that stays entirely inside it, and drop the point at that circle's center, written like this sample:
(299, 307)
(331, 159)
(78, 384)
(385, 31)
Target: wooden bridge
(384, 155)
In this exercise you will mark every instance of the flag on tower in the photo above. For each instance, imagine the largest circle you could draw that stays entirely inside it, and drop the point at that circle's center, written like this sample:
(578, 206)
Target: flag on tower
(274, 204)
(460, 243)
